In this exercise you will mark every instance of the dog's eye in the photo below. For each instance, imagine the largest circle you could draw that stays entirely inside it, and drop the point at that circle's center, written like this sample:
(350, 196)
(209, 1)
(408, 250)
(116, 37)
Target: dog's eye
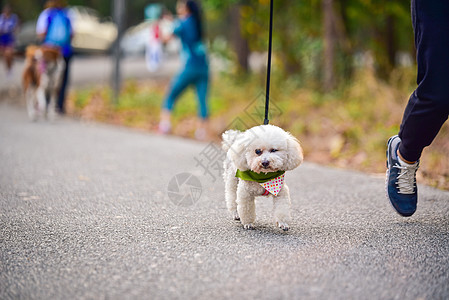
(258, 151)
(273, 150)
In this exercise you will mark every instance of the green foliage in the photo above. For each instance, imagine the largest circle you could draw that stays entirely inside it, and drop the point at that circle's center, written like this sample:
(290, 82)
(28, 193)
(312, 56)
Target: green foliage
(82, 98)
(26, 9)
(381, 28)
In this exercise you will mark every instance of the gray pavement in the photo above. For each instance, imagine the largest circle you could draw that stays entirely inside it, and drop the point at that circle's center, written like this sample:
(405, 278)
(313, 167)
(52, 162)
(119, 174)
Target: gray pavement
(94, 70)
(85, 214)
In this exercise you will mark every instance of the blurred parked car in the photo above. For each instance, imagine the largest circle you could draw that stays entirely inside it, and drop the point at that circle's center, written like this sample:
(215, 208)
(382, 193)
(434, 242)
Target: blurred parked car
(135, 38)
(92, 35)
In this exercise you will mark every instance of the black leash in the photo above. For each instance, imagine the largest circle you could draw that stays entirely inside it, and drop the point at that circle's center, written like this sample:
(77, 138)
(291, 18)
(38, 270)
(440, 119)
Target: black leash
(267, 94)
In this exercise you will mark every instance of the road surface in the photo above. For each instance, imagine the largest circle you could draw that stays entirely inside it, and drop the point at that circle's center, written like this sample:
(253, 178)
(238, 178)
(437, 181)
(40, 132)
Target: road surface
(86, 214)
(94, 70)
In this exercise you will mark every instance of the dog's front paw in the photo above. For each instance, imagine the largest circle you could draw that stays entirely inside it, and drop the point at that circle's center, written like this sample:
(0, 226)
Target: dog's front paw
(282, 225)
(248, 226)
(235, 215)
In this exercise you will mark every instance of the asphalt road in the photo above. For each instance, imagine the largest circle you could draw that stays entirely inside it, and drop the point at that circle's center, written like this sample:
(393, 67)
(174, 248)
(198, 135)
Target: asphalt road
(85, 214)
(94, 70)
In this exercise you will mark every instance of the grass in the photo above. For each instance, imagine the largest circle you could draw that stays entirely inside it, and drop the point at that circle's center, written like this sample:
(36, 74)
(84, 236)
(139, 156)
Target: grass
(347, 128)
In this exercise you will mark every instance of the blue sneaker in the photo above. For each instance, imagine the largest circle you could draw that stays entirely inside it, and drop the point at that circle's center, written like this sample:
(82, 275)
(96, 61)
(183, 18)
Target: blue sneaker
(401, 180)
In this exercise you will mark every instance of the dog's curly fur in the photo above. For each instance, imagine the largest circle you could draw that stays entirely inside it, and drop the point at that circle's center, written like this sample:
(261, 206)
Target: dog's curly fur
(277, 150)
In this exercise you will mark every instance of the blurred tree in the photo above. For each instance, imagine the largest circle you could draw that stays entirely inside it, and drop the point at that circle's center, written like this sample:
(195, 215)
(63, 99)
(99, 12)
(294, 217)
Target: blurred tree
(25, 9)
(297, 35)
(135, 9)
(233, 12)
(239, 41)
(329, 21)
(380, 27)
(30, 9)
(303, 32)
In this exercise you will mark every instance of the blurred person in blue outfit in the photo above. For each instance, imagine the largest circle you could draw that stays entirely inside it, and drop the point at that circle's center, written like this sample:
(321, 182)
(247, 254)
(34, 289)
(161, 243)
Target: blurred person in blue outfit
(54, 28)
(189, 29)
(427, 108)
(9, 23)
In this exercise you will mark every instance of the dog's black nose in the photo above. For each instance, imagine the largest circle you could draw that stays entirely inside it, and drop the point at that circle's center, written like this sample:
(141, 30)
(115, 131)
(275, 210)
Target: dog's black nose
(265, 164)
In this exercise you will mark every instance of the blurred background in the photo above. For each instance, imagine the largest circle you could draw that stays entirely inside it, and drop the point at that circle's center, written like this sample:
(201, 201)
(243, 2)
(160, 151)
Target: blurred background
(353, 33)
(342, 72)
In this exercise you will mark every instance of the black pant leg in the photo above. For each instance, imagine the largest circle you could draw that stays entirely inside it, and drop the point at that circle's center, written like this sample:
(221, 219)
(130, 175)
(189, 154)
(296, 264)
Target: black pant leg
(64, 83)
(428, 107)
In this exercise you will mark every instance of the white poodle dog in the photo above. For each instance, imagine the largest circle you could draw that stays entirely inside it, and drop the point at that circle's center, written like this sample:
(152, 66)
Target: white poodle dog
(255, 163)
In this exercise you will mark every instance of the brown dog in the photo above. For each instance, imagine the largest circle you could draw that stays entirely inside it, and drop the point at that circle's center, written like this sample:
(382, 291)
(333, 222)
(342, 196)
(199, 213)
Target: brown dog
(41, 80)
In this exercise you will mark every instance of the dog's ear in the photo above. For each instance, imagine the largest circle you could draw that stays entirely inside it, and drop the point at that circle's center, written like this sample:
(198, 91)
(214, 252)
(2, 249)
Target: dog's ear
(228, 138)
(294, 153)
(237, 152)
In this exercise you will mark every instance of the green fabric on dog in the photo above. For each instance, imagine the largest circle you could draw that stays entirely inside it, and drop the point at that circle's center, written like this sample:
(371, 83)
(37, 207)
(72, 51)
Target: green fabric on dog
(257, 177)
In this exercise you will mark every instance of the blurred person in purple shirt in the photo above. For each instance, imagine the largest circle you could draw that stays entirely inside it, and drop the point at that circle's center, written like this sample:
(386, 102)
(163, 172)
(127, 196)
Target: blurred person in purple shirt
(9, 23)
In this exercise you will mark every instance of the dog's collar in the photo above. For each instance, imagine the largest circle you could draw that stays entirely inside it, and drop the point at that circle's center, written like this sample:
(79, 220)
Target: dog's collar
(272, 182)
(257, 177)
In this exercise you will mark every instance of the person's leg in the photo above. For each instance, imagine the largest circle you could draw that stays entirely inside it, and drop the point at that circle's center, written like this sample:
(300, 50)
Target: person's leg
(63, 88)
(6, 55)
(9, 58)
(177, 87)
(202, 85)
(428, 106)
(2, 54)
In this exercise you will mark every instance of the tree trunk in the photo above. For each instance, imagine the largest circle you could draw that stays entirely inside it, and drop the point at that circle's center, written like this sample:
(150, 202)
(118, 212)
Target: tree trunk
(344, 42)
(329, 79)
(239, 42)
(390, 41)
